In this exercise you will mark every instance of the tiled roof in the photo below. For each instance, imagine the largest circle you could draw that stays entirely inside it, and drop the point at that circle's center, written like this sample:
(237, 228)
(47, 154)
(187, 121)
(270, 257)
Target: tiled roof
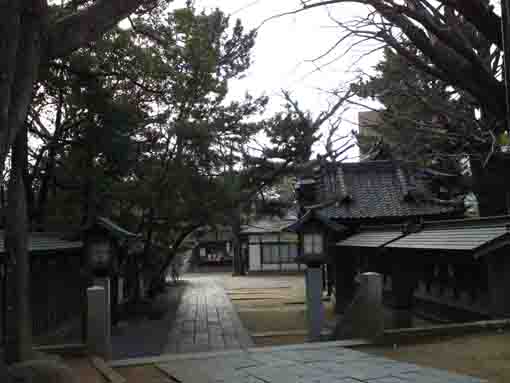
(41, 242)
(376, 189)
(372, 238)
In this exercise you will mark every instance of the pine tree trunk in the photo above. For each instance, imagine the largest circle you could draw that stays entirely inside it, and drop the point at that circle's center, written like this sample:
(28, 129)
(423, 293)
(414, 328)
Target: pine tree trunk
(238, 264)
(16, 239)
(21, 27)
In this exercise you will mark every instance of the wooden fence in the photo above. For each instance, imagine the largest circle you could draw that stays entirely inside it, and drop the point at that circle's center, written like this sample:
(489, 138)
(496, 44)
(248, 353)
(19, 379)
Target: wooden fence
(58, 298)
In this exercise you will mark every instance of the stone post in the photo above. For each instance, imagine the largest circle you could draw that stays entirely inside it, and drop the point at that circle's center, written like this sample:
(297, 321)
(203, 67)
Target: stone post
(106, 283)
(315, 311)
(364, 318)
(98, 320)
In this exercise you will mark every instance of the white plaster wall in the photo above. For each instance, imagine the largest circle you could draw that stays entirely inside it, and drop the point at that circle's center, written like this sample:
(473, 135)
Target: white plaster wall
(292, 267)
(254, 256)
(283, 267)
(277, 267)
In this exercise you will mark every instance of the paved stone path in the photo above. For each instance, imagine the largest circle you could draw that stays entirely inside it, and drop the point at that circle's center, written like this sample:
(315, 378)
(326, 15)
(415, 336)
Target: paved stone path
(311, 363)
(206, 319)
(206, 326)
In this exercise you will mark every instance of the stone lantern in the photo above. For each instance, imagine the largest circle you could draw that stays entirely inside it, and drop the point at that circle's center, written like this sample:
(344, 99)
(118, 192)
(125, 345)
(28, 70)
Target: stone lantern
(314, 231)
(99, 251)
(313, 254)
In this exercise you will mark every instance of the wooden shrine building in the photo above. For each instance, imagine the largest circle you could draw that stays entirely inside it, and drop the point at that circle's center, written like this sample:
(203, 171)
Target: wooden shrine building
(380, 216)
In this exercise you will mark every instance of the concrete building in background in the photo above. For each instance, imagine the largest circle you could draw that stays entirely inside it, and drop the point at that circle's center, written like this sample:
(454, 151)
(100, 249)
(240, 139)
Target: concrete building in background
(367, 131)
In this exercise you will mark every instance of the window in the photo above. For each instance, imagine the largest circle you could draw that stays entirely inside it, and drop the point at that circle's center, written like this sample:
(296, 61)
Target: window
(293, 252)
(276, 253)
(284, 253)
(312, 243)
(288, 252)
(269, 254)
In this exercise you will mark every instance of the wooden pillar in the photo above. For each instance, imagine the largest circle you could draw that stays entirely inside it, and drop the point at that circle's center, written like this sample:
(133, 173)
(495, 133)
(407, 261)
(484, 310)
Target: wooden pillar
(114, 299)
(345, 272)
(331, 278)
(405, 275)
(499, 284)
(3, 300)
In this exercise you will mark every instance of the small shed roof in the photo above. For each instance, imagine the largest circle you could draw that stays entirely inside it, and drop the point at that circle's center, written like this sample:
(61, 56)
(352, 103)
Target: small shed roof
(465, 235)
(475, 236)
(43, 242)
(372, 238)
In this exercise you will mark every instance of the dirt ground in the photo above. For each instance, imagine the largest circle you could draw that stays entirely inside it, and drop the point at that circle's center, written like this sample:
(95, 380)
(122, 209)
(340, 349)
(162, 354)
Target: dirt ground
(485, 356)
(272, 303)
(144, 374)
(83, 368)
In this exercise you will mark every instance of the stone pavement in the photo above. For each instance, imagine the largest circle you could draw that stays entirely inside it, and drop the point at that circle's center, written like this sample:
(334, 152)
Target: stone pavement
(311, 363)
(206, 319)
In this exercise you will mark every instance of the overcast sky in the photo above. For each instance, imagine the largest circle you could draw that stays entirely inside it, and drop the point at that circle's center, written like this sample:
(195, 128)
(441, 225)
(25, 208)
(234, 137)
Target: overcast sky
(285, 46)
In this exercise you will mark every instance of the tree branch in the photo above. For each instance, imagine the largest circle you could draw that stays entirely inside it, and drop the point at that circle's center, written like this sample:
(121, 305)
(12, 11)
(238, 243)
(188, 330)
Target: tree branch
(481, 16)
(89, 24)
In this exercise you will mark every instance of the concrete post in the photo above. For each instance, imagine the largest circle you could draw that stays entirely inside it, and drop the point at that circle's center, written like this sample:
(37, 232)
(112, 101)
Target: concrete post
(107, 285)
(315, 311)
(98, 321)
